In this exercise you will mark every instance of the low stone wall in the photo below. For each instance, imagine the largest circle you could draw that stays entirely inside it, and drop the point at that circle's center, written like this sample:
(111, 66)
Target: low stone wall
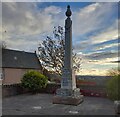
(16, 89)
(10, 90)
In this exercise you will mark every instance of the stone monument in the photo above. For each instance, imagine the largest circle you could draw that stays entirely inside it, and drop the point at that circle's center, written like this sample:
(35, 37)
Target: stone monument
(68, 93)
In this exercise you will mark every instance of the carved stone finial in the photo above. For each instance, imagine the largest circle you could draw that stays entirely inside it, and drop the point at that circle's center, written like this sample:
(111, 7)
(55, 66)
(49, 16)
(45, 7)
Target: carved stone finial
(68, 12)
(68, 6)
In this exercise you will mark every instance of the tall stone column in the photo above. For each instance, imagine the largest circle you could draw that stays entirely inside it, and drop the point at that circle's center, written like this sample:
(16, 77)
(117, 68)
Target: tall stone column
(68, 79)
(68, 93)
(68, 40)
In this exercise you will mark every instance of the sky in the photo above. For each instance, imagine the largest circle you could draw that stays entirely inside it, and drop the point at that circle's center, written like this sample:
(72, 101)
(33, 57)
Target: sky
(95, 30)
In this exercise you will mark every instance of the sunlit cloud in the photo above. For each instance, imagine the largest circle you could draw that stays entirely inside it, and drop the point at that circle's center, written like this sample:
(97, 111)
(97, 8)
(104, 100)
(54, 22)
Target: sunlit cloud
(90, 72)
(101, 47)
(105, 36)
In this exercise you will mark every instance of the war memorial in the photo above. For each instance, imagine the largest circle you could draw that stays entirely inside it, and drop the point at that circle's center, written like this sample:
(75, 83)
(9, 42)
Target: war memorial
(68, 93)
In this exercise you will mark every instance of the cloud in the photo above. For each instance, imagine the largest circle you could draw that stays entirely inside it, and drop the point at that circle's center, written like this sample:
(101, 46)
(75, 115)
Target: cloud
(52, 10)
(102, 55)
(25, 22)
(25, 18)
(106, 61)
(111, 33)
(95, 24)
(87, 71)
(92, 17)
(80, 45)
(101, 47)
(98, 67)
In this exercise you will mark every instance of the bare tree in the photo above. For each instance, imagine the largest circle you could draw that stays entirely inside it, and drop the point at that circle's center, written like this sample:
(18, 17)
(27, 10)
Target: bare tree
(51, 52)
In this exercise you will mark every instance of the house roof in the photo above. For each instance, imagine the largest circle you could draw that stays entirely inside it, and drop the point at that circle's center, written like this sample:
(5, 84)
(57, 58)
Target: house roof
(19, 59)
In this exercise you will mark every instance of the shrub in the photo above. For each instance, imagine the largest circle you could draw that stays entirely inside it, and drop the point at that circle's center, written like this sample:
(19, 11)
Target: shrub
(113, 85)
(34, 81)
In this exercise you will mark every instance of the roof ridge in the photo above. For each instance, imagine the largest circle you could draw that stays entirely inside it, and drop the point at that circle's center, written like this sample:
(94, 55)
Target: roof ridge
(17, 50)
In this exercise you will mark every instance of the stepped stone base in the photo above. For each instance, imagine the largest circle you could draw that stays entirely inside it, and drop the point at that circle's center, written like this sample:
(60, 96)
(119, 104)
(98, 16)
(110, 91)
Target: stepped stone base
(67, 100)
(67, 96)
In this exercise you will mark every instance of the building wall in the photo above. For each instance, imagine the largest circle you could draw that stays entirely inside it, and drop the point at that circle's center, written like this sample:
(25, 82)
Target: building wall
(13, 76)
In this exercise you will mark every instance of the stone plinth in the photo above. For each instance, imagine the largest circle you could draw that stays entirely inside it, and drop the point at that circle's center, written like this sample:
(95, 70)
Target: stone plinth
(68, 100)
(68, 93)
(68, 96)
(68, 79)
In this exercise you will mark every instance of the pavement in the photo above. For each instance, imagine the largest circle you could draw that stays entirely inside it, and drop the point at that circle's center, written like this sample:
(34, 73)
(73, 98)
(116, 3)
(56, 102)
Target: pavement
(41, 104)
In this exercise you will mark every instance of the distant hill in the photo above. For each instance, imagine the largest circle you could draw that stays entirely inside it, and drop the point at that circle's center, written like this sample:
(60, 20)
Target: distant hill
(100, 80)
(91, 77)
